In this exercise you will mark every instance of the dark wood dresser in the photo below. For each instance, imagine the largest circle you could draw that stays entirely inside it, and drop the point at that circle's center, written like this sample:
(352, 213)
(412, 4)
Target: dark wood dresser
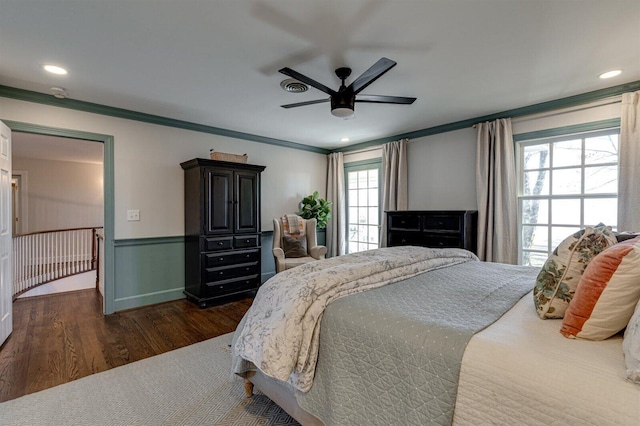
(433, 228)
(222, 229)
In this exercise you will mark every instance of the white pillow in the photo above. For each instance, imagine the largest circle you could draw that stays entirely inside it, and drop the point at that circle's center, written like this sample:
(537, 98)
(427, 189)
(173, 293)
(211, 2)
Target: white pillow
(631, 347)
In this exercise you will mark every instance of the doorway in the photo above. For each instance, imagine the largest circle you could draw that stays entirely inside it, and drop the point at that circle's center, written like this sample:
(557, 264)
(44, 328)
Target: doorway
(107, 249)
(364, 193)
(55, 243)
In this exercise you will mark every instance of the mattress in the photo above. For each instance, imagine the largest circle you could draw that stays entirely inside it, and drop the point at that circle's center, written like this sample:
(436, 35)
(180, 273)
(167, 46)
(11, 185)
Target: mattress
(521, 370)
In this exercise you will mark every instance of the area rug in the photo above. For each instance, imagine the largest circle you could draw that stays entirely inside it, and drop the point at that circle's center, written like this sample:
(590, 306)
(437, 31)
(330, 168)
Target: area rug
(187, 386)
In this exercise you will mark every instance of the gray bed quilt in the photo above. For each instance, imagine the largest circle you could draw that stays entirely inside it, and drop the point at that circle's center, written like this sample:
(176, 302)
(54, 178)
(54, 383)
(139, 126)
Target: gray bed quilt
(280, 332)
(392, 355)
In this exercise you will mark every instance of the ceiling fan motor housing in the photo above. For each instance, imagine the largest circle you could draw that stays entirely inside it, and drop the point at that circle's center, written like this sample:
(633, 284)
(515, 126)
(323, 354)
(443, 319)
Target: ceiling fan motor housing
(343, 103)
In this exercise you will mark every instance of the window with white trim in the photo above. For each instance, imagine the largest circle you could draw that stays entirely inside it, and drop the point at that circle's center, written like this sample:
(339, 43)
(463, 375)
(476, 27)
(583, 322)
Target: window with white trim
(362, 181)
(565, 183)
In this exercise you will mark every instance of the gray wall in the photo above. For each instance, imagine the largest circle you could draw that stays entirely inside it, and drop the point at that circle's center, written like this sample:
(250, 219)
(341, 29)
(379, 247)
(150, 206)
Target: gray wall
(442, 172)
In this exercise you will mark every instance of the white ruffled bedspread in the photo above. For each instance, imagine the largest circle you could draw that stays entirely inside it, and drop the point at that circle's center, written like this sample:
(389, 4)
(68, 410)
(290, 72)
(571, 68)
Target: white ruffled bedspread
(280, 332)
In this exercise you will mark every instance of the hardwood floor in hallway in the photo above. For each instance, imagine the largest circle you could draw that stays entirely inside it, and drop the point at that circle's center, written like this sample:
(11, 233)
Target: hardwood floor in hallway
(63, 337)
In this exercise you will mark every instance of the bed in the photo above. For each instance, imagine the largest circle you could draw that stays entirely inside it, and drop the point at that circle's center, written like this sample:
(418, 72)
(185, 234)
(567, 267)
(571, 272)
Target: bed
(457, 341)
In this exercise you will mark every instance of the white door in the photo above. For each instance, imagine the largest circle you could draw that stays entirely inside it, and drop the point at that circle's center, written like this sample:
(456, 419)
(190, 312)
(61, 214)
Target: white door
(6, 216)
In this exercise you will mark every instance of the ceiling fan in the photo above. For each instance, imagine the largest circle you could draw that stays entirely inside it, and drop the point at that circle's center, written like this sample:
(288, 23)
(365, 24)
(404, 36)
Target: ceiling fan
(344, 99)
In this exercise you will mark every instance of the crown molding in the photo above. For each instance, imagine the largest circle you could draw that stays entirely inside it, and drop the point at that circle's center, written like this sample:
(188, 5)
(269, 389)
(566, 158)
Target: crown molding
(45, 99)
(553, 105)
(570, 101)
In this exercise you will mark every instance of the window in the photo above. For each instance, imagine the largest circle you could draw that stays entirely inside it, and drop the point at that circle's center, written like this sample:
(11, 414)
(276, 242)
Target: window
(363, 201)
(565, 183)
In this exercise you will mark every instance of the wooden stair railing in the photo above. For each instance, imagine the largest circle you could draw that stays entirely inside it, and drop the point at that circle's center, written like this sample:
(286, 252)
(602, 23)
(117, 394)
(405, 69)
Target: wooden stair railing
(42, 257)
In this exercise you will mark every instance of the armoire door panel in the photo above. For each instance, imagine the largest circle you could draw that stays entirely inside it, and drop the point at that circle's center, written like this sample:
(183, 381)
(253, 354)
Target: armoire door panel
(219, 201)
(247, 202)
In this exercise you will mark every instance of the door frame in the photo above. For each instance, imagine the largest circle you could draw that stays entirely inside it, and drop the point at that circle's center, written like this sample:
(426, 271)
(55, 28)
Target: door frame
(356, 166)
(109, 197)
(23, 207)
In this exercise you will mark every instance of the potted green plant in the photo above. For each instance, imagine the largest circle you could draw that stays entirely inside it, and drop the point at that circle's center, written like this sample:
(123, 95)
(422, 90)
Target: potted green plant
(314, 207)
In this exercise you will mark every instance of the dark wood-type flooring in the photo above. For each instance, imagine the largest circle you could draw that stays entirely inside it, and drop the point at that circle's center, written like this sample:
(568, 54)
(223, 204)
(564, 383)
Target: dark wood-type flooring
(63, 337)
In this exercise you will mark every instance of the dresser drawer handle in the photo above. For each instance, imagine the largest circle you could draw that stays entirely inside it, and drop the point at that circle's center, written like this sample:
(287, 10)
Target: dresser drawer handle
(440, 243)
(220, 243)
(402, 222)
(403, 241)
(247, 241)
(247, 256)
(221, 273)
(440, 223)
(221, 259)
(247, 268)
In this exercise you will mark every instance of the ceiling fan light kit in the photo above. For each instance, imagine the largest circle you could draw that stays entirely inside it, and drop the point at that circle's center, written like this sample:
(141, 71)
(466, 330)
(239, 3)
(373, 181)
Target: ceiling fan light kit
(343, 100)
(342, 112)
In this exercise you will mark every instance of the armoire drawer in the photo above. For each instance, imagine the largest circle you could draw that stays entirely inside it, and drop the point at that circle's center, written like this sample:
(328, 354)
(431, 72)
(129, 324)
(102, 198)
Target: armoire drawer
(402, 221)
(442, 241)
(443, 222)
(231, 286)
(245, 241)
(231, 271)
(398, 238)
(219, 243)
(217, 259)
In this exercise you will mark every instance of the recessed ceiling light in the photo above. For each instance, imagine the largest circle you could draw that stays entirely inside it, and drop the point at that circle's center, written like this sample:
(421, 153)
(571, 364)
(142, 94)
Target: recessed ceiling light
(344, 139)
(53, 69)
(610, 74)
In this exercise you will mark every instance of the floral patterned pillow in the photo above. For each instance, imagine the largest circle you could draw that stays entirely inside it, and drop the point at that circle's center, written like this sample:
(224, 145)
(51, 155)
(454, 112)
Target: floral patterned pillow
(559, 277)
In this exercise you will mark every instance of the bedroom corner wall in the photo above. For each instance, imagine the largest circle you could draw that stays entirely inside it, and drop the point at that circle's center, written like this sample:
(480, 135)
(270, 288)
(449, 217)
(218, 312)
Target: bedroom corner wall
(147, 177)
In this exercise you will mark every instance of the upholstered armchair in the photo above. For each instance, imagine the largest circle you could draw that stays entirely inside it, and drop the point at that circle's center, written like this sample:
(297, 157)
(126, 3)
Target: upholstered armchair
(291, 249)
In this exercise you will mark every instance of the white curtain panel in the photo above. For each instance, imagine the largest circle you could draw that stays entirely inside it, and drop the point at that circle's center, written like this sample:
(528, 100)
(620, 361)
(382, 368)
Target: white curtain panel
(394, 181)
(496, 193)
(629, 154)
(337, 225)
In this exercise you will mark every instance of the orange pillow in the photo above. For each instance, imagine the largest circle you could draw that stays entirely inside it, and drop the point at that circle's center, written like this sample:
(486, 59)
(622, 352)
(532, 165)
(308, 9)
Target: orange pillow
(607, 293)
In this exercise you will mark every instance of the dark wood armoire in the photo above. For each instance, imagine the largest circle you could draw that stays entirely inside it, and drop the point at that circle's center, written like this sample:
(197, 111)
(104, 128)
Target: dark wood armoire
(222, 229)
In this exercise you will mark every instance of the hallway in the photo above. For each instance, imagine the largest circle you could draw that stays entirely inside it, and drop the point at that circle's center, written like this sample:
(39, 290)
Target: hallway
(83, 281)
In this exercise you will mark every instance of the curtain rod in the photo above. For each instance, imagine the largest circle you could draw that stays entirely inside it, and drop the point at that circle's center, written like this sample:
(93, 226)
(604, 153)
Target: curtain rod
(360, 151)
(603, 102)
(373, 148)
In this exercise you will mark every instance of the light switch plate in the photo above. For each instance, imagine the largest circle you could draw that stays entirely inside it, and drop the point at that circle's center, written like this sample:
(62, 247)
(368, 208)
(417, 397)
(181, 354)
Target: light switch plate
(133, 215)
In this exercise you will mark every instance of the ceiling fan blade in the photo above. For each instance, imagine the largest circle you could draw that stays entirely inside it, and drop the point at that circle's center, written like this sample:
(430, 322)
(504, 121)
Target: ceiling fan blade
(381, 99)
(305, 79)
(299, 104)
(372, 74)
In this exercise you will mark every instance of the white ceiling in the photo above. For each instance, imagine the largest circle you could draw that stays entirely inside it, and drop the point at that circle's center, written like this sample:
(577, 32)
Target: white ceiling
(41, 147)
(215, 62)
